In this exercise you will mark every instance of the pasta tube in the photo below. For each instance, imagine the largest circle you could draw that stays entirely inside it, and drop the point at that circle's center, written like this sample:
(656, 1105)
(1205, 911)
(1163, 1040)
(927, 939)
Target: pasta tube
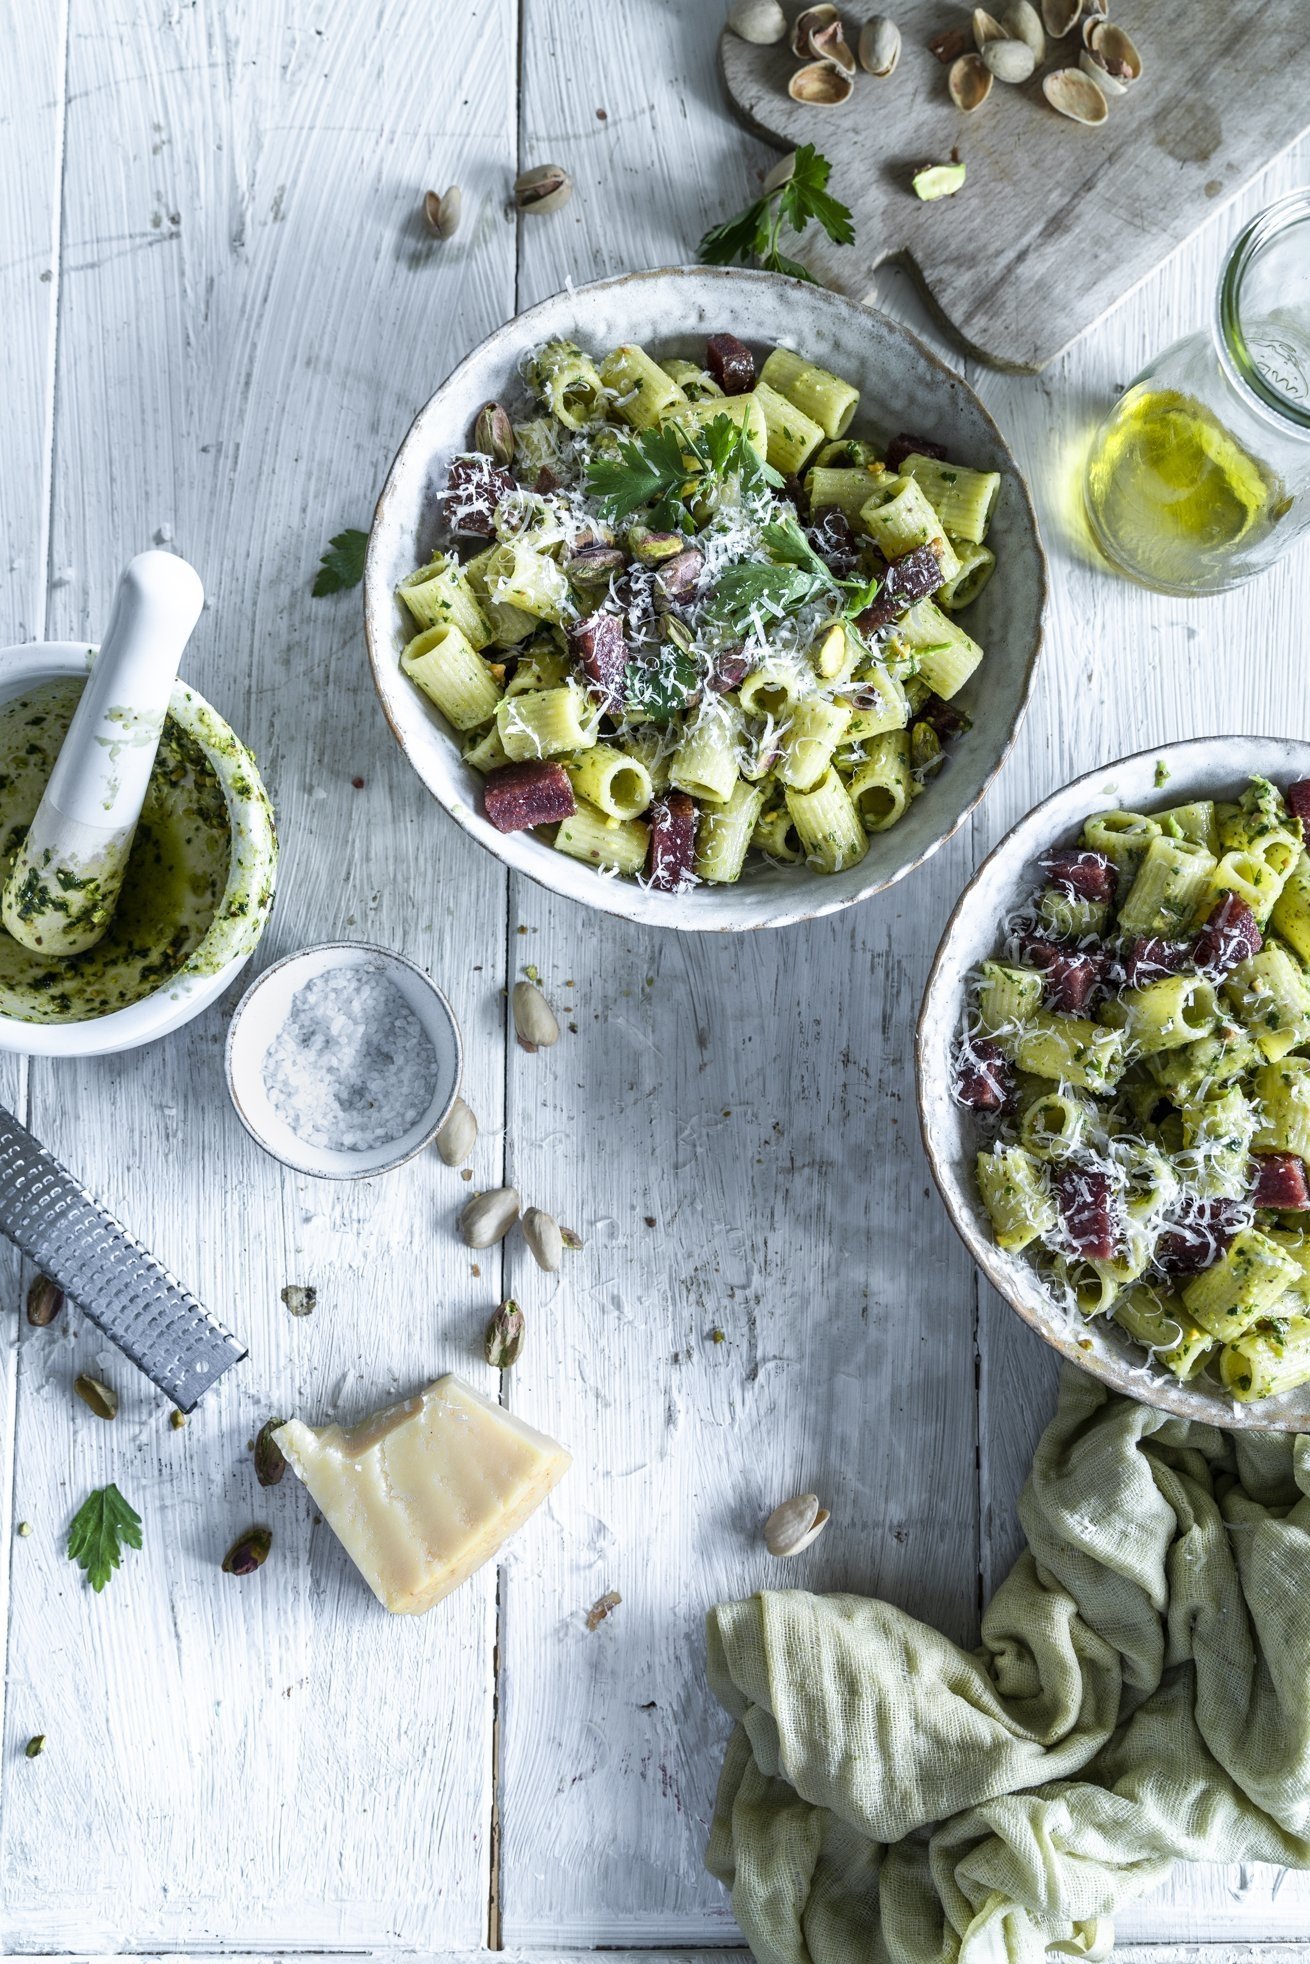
(568, 382)
(705, 762)
(848, 489)
(1162, 1328)
(976, 566)
(1271, 1357)
(724, 832)
(882, 787)
(453, 675)
(440, 594)
(1014, 1194)
(827, 824)
(616, 784)
(944, 655)
(1291, 912)
(1171, 880)
(813, 733)
(612, 844)
(546, 723)
(899, 519)
(824, 397)
(744, 410)
(793, 436)
(963, 499)
(643, 394)
(529, 581)
(1241, 1287)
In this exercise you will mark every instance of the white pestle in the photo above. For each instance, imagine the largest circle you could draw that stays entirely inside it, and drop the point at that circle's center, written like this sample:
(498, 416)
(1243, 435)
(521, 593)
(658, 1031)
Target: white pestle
(61, 894)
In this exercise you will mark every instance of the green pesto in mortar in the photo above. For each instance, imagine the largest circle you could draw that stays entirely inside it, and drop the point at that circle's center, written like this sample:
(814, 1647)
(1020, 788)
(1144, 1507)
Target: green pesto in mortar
(172, 888)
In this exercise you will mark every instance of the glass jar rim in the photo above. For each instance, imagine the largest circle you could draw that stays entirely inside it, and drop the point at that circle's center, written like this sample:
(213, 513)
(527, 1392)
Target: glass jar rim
(1234, 352)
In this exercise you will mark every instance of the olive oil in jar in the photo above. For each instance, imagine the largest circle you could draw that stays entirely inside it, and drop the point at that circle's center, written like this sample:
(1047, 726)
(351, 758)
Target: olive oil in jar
(1172, 497)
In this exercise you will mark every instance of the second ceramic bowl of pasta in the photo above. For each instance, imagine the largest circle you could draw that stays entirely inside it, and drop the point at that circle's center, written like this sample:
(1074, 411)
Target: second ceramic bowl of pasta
(901, 385)
(1176, 776)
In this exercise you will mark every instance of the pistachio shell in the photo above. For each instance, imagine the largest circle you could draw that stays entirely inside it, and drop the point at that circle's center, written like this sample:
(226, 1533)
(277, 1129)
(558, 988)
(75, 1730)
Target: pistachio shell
(545, 1242)
(535, 1023)
(1059, 17)
(1093, 65)
(458, 1134)
(1022, 20)
(761, 22)
(1008, 61)
(829, 44)
(794, 1525)
(442, 213)
(1116, 53)
(543, 188)
(1075, 95)
(986, 28)
(880, 45)
(782, 173)
(969, 82)
(488, 1217)
(822, 84)
(804, 25)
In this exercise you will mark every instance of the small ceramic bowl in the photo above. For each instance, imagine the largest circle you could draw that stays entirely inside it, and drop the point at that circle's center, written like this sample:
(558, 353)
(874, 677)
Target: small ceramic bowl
(263, 1010)
(902, 386)
(1209, 767)
(242, 914)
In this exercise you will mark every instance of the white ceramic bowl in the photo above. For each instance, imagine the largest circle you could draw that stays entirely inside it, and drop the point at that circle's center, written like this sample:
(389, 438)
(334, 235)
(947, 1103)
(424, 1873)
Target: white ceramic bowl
(903, 387)
(263, 1010)
(1209, 767)
(247, 898)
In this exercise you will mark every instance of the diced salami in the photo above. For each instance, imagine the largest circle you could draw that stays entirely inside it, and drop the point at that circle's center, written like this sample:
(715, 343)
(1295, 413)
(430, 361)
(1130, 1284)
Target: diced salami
(731, 363)
(1202, 1233)
(1082, 1195)
(832, 538)
(672, 843)
(1230, 935)
(518, 796)
(1279, 1181)
(1071, 977)
(1080, 875)
(1297, 799)
(1149, 958)
(984, 1077)
(474, 488)
(906, 444)
(908, 579)
(602, 652)
(943, 717)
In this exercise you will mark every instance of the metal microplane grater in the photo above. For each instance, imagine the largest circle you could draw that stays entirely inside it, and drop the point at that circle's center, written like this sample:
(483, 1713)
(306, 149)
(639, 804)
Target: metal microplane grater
(109, 1275)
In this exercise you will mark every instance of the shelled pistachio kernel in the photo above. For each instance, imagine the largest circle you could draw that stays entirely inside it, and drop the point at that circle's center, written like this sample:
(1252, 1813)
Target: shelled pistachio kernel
(99, 1398)
(248, 1552)
(45, 1299)
(794, 1525)
(269, 1462)
(504, 1336)
(35, 1746)
(177, 1420)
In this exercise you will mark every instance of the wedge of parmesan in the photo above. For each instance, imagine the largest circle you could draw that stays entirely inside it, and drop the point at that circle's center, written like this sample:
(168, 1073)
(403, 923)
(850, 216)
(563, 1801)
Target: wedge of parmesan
(424, 1492)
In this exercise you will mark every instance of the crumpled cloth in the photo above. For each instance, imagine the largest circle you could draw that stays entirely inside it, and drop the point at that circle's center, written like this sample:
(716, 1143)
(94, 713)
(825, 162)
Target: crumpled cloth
(1141, 1696)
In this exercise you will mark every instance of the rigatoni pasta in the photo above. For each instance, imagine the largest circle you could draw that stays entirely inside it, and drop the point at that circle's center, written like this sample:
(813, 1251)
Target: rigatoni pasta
(1137, 1056)
(698, 621)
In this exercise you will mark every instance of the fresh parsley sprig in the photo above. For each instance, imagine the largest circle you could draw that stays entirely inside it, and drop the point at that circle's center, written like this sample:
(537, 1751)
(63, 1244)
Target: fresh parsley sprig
(751, 238)
(342, 564)
(662, 470)
(103, 1525)
(790, 579)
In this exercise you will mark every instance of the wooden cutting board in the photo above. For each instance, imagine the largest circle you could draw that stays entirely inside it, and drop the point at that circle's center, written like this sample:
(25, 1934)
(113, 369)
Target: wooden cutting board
(1056, 222)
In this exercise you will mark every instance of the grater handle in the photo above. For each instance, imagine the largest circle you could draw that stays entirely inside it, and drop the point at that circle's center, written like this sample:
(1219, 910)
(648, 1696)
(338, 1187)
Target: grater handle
(119, 1284)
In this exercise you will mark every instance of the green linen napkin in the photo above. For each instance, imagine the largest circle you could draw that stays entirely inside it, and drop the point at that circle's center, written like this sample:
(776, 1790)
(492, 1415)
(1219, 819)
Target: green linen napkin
(1141, 1696)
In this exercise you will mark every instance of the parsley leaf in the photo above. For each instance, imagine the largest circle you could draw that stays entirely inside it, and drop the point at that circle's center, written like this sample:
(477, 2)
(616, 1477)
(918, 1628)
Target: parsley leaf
(662, 468)
(102, 1525)
(343, 564)
(744, 592)
(661, 689)
(751, 238)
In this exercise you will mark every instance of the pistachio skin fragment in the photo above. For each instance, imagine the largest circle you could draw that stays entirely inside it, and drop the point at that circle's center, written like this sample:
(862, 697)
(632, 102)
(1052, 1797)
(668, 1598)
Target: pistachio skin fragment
(269, 1462)
(248, 1552)
(35, 1746)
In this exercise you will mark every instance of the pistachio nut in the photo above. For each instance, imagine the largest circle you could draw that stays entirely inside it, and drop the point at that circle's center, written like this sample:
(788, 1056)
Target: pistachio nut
(269, 1463)
(592, 568)
(571, 1238)
(1059, 17)
(652, 548)
(761, 22)
(248, 1552)
(1022, 21)
(879, 45)
(441, 212)
(535, 1022)
(45, 1299)
(794, 1525)
(458, 1134)
(35, 1746)
(544, 188)
(1008, 61)
(488, 1217)
(986, 28)
(300, 1298)
(937, 181)
(504, 1338)
(177, 1420)
(100, 1398)
(545, 1242)
(493, 433)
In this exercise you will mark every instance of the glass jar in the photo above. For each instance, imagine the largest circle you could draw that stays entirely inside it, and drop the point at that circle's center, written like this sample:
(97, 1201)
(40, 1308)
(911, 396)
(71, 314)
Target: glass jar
(1200, 475)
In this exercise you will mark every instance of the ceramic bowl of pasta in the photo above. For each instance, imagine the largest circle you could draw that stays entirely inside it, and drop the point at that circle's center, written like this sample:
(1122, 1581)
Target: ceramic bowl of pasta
(1114, 1076)
(705, 597)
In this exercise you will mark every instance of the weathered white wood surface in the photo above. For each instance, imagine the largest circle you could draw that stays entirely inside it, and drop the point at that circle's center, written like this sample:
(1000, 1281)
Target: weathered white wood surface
(247, 317)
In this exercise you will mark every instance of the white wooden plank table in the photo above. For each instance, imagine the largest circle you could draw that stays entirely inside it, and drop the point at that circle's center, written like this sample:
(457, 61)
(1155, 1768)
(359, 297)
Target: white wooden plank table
(220, 314)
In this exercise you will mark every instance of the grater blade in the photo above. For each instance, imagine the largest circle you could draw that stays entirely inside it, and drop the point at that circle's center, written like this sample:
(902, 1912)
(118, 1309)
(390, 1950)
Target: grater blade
(132, 1297)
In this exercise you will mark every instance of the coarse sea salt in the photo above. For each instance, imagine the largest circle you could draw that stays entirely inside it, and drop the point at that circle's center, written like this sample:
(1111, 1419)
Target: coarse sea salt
(352, 1068)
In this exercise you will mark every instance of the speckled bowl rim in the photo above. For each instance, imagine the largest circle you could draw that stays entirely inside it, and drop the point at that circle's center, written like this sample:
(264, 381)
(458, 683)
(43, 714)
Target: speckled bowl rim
(242, 913)
(1040, 1311)
(740, 910)
(377, 952)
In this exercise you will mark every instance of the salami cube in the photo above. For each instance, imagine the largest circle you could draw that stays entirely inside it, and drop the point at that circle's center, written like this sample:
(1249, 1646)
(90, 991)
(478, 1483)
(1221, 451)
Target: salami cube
(906, 444)
(1297, 799)
(1071, 977)
(731, 363)
(1080, 875)
(983, 1075)
(519, 796)
(601, 650)
(1202, 1233)
(474, 488)
(1083, 1197)
(1229, 936)
(836, 544)
(908, 579)
(1279, 1181)
(672, 843)
(1149, 958)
